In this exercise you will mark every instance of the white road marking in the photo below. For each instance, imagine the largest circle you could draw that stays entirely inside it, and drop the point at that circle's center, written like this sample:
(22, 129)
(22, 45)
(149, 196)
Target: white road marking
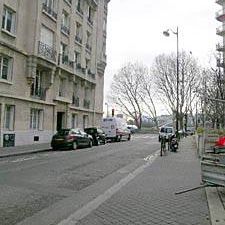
(144, 137)
(23, 159)
(95, 203)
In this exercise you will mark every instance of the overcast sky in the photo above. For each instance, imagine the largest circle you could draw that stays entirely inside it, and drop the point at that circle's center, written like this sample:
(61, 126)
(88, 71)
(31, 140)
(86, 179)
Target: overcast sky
(134, 31)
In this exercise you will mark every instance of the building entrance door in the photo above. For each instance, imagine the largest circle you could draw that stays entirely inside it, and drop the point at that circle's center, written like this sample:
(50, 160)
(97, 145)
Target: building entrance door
(60, 120)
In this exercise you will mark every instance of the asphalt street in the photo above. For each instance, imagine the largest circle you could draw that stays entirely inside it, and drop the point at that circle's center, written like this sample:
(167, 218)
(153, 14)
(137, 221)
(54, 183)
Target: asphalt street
(117, 183)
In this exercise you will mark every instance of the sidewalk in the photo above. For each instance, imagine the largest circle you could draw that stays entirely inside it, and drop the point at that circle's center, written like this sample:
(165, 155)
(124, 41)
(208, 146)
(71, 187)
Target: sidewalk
(24, 150)
(150, 198)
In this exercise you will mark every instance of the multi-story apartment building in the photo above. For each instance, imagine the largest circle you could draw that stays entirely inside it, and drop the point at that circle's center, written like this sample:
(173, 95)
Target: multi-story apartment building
(220, 47)
(52, 62)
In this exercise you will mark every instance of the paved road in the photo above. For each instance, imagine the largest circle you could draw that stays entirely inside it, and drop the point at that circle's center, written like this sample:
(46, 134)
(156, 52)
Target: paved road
(32, 183)
(117, 183)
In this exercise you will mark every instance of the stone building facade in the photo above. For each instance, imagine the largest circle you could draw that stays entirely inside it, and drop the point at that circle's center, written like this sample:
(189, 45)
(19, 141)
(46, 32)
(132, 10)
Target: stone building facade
(52, 63)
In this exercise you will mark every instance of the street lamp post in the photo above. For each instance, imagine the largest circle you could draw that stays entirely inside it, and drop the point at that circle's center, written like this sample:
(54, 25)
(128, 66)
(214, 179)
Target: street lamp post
(167, 34)
(107, 109)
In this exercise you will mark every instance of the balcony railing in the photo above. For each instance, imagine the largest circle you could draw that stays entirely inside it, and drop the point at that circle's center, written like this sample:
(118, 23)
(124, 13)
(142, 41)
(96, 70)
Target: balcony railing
(92, 75)
(90, 21)
(78, 39)
(88, 47)
(75, 101)
(65, 29)
(86, 104)
(39, 93)
(220, 63)
(46, 51)
(49, 10)
(220, 47)
(220, 15)
(220, 30)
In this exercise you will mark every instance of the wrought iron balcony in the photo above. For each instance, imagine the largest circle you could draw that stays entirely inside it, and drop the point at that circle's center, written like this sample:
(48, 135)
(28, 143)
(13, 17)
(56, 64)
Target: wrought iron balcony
(49, 10)
(220, 15)
(220, 63)
(220, 47)
(39, 93)
(90, 21)
(88, 47)
(65, 29)
(46, 51)
(78, 39)
(220, 30)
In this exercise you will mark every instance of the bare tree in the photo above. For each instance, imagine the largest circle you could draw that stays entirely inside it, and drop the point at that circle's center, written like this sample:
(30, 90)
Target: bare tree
(125, 90)
(164, 70)
(147, 95)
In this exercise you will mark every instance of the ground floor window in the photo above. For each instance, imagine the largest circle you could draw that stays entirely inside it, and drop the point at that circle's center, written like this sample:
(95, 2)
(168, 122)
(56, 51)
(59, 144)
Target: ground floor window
(36, 119)
(74, 121)
(85, 121)
(9, 117)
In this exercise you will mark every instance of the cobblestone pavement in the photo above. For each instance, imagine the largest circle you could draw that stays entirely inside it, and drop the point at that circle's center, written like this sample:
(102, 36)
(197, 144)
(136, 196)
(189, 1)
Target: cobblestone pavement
(150, 198)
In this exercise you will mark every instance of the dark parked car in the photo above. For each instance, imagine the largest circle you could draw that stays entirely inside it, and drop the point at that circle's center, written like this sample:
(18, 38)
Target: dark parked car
(97, 134)
(71, 138)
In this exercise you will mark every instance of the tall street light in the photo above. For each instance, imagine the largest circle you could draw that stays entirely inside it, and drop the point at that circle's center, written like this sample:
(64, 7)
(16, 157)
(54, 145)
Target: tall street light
(107, 108)
(167, 34)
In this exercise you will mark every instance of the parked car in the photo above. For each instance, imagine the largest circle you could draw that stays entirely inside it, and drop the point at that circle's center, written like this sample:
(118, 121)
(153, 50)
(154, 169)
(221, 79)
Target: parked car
(132, 128)
(71, 138)
(115, 128)
(97, 134)
(166, 132)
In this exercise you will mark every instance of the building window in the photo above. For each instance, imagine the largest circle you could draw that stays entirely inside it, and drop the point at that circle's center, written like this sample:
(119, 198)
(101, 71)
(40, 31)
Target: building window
(50, 3)
(64, 53)
(5, 64)
(36, 119)
(88, 42)
(77, 59)
(49, 7)
(79, 33)
(9, 117)
(80, 6)
(90, 15)
(61, 87)
(46, 44)
(74, 121)
(85, 121)
(36, 87)
(47, 36)
(65, 23)
(88, 65)
(8, 20)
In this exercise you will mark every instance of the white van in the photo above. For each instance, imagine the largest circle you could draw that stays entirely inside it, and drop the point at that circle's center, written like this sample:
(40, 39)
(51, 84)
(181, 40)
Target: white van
(115, 128)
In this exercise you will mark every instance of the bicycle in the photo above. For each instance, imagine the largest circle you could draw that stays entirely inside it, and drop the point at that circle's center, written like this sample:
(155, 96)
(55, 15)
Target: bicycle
(163, 146)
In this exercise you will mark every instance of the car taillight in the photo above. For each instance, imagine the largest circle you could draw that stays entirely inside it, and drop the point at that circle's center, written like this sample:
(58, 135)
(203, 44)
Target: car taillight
(70, 137)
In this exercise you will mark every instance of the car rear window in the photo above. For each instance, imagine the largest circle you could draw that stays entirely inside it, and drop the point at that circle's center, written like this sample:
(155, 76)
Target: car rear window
(63, 132)
(169, 130)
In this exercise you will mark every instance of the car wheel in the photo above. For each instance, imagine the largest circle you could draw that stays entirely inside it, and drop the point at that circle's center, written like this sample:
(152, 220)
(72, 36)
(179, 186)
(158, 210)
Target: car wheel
(74, 145)
(118, 138)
